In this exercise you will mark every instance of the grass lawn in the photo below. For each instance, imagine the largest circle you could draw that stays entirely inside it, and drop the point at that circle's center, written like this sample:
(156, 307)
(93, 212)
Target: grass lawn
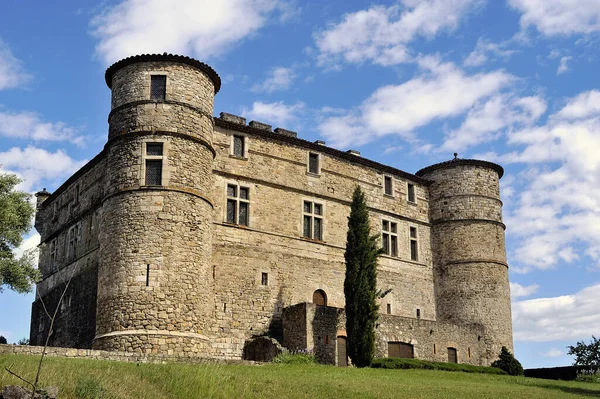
(148, 381)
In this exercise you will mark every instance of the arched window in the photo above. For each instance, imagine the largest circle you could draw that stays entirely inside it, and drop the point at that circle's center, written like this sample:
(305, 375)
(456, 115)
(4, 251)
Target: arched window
(320, 298)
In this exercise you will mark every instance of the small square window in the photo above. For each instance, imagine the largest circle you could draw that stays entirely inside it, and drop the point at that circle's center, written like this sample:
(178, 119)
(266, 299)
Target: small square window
(411, 193)
(413, 232)
(313, 163)
(154, 149)
(158, 87)
(317, 209)
(264, 279)
(231, 190)
(388, 185)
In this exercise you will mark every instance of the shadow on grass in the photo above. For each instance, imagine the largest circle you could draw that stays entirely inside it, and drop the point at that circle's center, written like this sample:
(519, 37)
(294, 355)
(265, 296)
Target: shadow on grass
(573, 390)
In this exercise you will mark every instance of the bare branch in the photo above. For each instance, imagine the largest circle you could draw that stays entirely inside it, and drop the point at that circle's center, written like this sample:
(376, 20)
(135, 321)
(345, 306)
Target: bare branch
(16, 375)
(43, 305)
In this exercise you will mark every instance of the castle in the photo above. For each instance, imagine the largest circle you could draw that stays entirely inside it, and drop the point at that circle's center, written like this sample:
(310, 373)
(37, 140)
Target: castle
(190, 235)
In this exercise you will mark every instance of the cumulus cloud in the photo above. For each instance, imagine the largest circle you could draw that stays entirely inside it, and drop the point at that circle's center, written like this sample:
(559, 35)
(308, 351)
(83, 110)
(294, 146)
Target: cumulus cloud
(484, 50)
(34, 164)
(202, 28)
(441, 91)
(12, 73)
(489, 118)
(559, 17)
(556, 215)
(553, 352)
(563, 65)
(382, 34)
(519, 291)
(276, 113)
(280, 78)
(536, 319)
(29, 125)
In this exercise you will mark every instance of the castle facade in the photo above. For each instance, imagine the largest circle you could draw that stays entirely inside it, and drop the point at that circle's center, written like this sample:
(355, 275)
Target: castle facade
(191, 235)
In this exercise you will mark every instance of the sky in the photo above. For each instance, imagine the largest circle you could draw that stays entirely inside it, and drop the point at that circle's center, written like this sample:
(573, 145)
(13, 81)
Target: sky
(407, 83)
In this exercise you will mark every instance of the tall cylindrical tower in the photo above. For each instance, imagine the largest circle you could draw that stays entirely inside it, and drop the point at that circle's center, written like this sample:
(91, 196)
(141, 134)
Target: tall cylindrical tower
(468, 244)
(154, 278)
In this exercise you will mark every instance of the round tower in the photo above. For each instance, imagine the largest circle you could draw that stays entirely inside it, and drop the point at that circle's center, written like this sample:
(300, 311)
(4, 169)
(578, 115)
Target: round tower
(468, 245)
(155, 278)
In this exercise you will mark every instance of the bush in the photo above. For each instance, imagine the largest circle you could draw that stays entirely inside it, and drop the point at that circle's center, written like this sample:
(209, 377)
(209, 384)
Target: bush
(593, 378)
(3, 340)
(402, 363)
(295, 358)
(508, 363)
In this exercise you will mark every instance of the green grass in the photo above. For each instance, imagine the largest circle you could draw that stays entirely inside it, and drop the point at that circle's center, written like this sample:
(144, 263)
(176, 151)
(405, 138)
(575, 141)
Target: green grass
(103, 379)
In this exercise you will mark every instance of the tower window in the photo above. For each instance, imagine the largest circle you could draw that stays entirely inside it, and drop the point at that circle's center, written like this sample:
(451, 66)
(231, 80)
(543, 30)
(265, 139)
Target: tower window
(413, 244)
(314, 166)
(418, 313)
(153, 163)
(53, 253)
(158, 87)
(238, 148)
(153, 172)
(389, 308)
(387, 185)
(389, 237)
(238, 204)
(312, 220)
(411, 193)
(264, 279)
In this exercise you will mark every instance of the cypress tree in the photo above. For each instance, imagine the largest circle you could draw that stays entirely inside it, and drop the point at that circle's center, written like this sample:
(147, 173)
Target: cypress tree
(360, 284)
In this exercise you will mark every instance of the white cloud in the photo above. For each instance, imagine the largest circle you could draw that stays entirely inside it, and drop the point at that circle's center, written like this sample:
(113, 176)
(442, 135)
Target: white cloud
(519, 291)
(559, 17)
(280, 78)
(485, 50)
(29, 243)
(35, 164)
(381, 34)
(553, 352)
(276, 113)
(441, 91)
(563, 65)
(536, 319)
(556, 215)
(12, 73)
(202, 28)
(487, 119)
(29, 125)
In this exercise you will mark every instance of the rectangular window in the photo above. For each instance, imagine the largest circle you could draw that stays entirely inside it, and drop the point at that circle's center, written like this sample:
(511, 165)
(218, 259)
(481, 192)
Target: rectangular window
(158, 87)
(387, 185)
(53, 253)
(389, 237)
(264, 279)
(312, 220)
(418, 313)
(389, 308)
(153, 162)
(313, 163)
(238, 204)
(73, 239)
(413, 244)
(238, 146)
(411, 193)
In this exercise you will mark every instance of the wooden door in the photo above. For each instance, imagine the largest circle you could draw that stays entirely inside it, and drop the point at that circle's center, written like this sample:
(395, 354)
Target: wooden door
(341, 352)
(400, 349)
(320, 298)
(452, 356)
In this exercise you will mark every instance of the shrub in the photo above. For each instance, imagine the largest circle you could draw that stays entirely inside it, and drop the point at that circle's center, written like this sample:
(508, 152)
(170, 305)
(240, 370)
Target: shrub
(402, 363)
(508, 363)
(299, 357)
(2, 340)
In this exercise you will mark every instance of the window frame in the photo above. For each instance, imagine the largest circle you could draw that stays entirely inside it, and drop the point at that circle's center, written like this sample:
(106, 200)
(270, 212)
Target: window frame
(413, 240)
(237, 199)
(311, 215)
(73, 240)
(411, 188)
(308, 156)
(52, 253)
(387, 238)
(163, 158)
(245, 142)
(391, 180)
(152, 76)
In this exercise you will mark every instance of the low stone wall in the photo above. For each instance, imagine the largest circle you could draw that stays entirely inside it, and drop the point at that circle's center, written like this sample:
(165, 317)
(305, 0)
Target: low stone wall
(115, 356)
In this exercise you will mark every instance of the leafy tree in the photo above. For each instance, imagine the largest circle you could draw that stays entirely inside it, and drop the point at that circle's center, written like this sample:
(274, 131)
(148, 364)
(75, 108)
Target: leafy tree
(508, 363)
(23, 341)
(360, 284)
(3, 340)
(586, 354)
(17, 274)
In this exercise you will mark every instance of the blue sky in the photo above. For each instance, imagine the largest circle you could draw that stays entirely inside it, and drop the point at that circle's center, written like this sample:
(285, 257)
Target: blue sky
(407, 83)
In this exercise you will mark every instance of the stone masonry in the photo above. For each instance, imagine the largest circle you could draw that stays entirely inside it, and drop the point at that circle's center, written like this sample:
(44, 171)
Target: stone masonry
(217, 252)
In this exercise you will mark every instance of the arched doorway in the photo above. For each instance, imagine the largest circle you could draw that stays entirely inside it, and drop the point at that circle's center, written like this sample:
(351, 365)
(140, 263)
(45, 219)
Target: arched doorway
(342, 357)
(320, 298)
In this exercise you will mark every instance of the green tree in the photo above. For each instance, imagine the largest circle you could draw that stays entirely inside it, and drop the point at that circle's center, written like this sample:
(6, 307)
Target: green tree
(17, 273)
(586, 354)
(3, 340)
(360, 284)
(508, 363)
